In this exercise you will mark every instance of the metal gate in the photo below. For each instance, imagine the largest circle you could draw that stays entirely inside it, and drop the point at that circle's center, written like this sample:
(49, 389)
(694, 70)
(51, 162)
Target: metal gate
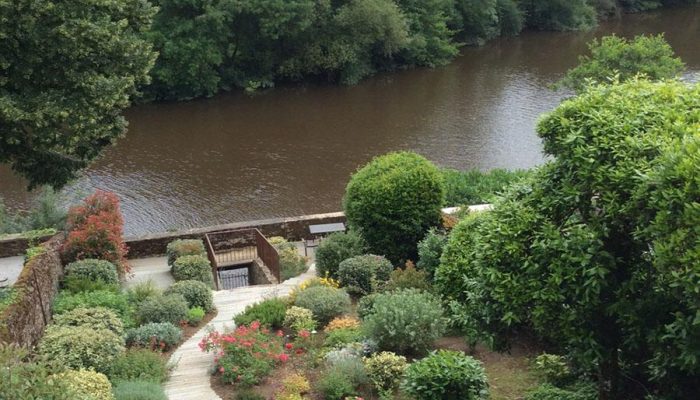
(233, 278)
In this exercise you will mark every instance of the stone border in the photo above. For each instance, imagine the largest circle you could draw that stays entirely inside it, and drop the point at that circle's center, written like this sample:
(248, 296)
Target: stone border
(17, 244)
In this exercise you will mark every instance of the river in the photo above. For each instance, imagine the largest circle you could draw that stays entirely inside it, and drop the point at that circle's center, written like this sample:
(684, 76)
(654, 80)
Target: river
(291, 150)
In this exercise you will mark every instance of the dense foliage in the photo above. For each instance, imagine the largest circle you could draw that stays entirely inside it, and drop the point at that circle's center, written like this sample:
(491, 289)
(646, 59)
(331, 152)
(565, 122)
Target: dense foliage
(429, 252)
(117, 302)
(24, 377)
(616, 58)
(598, 253)
(393, 201)
(184, 247)
(194, 267)
(385, 370)
(96, 230)
(167, 308)
(94, 317)
(406, 321)
(138, 364)
(334, 249)
(476, 187)
(217, 45)
(94, 270)
(79, 347)
(154, 335)
(138, 390)
(67, 70)
(87, 384)
(361, 275)
(324, 302)
(196, 293)
(269, 313)
(448, 375)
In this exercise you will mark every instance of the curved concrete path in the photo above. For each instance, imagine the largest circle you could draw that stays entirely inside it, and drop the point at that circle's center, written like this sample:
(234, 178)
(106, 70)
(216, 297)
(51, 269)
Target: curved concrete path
(190, 378)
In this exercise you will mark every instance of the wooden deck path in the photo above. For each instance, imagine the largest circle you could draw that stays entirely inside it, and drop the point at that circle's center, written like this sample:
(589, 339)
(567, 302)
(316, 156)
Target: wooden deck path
(190, 378)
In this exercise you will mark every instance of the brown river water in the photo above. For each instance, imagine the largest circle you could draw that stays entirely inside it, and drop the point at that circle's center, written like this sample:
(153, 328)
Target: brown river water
(290, 151)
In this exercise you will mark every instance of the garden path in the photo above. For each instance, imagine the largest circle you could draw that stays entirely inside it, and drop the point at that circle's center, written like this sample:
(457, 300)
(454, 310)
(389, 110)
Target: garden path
(190, 378)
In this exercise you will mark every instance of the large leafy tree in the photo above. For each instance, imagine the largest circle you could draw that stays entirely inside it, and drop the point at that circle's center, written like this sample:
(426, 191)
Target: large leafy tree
(67, 70)
(599, 253)
(618, 58)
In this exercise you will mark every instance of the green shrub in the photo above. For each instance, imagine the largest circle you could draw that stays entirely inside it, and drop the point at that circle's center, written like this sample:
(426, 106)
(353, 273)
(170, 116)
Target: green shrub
(291, 262)
(24, 377)
(155, 336)
(297, 319)
(335, 385)
(551, 367)
(143, 290)
(365, 305)
(476, 187)
(196, 293)
(138, 364)
(324, 302)
(196, 268)
(546, 391)
(338, 338)
(334, 249)
(79, 347)
(361, 275)
(393, 201)
(249, 394)
(77, 284)
(405, 321)
(430, 251)
(88, 385)
(101, 298)
(385, 371)
(184, 247)
(95, 270)
(268, 312)
(446, 374)
(167, 308)
(195, 315)
(93, 317)
(138, 390)
(407, 278)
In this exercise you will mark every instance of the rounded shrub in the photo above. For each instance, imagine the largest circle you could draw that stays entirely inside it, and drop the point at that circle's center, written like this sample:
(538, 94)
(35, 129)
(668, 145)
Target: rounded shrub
(361, 275)
(168, 308)
(118, 302)
(195, 315)
(196, 268)
(270, 312)
(385, 371)
(297, 319)
(334, 249)
(154, 335)
(430, 250)
(138, 364)
(79, 347)
(405, 321)
(394, 200)
(324, 302)
(94, 270)
(184, 247)
(92, 317)
(196, 293)
(87, 385)
(139, 390)
(407, 278)
(446, 374)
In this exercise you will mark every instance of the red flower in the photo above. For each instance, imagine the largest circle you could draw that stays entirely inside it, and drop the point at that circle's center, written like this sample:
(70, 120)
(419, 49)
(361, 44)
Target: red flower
(283, 357)
(288, 346)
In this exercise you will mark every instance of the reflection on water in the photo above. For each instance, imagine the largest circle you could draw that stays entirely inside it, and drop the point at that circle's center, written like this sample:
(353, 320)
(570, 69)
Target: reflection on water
(290, 151)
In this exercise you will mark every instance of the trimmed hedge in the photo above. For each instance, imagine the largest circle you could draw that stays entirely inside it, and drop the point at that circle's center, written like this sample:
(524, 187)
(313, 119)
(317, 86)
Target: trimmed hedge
(196, 293)
(446, 374)
(334, 249)
(195, 268)
(184, 247)
(79, 347)
(167, 308)
(92, 269)
(155, 336)
(393, 201)
(361, 275)
(324, 302)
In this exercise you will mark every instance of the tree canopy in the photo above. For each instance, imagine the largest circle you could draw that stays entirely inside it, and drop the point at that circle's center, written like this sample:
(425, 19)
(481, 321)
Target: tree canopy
(598, 253)
(67, 70)
(616, 58)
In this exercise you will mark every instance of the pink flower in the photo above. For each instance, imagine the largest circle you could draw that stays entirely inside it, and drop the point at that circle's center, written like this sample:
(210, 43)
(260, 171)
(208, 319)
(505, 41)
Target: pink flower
(304, 333)
(283, 357)
(280, 333)
(221, 370)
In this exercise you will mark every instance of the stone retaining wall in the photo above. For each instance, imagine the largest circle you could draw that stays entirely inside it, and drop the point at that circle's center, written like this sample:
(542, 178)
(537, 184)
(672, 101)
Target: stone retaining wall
(16, 245)
(23, 321)
(296, 228)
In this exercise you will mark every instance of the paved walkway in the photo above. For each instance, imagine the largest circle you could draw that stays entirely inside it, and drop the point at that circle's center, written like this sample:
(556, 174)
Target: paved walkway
(10, 268)
(190, 378)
